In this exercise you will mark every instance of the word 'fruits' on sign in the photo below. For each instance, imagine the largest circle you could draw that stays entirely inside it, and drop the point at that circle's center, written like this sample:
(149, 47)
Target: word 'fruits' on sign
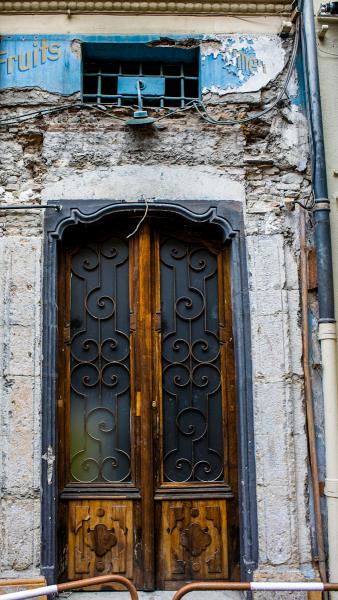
(40, 52)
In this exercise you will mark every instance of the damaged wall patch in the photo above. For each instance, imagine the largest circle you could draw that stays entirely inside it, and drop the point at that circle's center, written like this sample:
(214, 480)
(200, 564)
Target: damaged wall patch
(240, 63)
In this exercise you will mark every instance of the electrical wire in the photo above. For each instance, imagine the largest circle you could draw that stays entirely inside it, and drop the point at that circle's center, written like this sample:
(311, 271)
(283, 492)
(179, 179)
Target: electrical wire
(197, 105)
(37, 113)
(107, 114)
(188, 106)
(141, 220)
(103, 110)
(309, 204)
(28, 116)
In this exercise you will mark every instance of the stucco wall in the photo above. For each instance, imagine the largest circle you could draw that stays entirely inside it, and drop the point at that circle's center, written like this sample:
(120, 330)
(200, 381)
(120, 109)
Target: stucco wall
(81, 154)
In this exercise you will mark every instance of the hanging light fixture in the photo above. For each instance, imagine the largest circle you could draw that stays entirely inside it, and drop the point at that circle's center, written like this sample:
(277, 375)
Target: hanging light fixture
(140, 116)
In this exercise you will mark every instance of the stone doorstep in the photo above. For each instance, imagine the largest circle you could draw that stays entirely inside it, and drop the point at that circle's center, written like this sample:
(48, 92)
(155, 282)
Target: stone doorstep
(157, 595)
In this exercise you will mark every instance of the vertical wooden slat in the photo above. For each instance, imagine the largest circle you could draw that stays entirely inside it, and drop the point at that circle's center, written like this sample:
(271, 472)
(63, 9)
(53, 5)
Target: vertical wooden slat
(229, 383)
(133, 363)
(223, 335)
(135, 375)
(157, 362)
(144, 359)
(63, 407)
(158, 411)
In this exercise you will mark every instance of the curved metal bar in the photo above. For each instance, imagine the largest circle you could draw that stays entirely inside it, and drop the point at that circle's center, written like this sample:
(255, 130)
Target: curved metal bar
(80, 583)
(272, 586)
(209, 586)
(73, 585)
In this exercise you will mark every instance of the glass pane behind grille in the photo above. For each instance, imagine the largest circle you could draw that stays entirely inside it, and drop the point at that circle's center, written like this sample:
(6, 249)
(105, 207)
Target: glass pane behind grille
(192, 396)
(100, 378)
(181, 76)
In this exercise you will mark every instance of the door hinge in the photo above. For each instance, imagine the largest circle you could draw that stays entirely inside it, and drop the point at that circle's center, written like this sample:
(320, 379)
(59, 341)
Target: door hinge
(222, 334)
(157, 321)
(132, 321)
(66, 334)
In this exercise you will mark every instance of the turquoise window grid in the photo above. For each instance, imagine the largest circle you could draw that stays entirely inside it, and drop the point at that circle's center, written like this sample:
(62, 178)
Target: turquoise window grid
(170, 75)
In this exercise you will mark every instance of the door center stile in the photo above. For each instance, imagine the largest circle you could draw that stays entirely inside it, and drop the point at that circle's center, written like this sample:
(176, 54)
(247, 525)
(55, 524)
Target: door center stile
(143, 344)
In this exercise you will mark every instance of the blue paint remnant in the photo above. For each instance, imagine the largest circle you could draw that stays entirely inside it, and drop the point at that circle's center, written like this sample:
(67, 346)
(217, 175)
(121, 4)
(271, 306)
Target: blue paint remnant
(47, 62)
(299, 98)
(231, 68)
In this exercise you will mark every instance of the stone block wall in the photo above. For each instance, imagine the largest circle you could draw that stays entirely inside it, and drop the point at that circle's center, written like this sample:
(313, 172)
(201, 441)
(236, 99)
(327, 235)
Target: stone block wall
(20, 332)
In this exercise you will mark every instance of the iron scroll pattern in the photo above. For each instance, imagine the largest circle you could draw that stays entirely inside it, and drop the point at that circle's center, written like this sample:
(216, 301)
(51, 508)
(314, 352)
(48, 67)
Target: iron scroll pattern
(100, 367)
(191, 377)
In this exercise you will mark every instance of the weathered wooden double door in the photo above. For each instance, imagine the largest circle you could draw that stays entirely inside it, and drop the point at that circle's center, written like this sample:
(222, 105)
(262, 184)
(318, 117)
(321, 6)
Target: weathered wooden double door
(147, 428)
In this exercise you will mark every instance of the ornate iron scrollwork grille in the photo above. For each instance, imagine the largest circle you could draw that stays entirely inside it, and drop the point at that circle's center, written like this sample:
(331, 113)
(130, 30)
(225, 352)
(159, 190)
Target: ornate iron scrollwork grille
(100, 363)
(192, 395)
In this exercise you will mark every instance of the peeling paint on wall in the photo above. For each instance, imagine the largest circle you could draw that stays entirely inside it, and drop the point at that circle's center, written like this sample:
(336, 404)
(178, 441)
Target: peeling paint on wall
(240, 63)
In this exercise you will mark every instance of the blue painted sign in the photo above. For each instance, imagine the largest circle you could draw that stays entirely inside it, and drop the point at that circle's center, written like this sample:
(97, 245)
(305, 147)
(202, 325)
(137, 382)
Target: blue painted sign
(53, 62)
(48, 62)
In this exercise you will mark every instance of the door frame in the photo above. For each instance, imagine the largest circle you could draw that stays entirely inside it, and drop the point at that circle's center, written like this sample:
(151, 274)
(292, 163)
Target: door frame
(227, 216)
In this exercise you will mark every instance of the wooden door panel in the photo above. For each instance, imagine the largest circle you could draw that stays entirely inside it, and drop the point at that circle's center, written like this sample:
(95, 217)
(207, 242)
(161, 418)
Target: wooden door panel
(100, 538)
(196, 411)
(99, 430)
(192, 542)
(146, 407)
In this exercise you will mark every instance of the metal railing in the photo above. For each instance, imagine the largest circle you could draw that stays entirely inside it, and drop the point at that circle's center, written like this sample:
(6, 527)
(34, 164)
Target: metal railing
(253, 586)
(257, 586)
(73, 585)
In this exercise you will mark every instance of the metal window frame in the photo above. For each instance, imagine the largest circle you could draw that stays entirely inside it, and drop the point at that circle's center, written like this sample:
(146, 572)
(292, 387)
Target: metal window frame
(118, 99)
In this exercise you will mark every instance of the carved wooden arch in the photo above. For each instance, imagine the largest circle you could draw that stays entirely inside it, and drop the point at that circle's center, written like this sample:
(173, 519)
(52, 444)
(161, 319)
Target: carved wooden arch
(211, 216)
(227, 217)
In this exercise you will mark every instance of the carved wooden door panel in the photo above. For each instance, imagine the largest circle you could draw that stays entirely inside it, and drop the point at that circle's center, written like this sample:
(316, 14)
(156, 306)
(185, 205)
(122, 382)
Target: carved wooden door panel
(147, 443)
(196, 474)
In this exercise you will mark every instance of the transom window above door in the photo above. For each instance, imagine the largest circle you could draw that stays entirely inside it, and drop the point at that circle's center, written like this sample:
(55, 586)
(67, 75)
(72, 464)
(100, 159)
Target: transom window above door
(169, 75)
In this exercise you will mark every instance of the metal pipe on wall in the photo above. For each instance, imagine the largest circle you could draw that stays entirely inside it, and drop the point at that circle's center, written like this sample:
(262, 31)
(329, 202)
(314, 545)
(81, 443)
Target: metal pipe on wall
(309, 399)
(327, 325)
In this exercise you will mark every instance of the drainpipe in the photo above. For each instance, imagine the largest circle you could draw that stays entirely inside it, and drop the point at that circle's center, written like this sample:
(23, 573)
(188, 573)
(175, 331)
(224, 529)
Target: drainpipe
(327, 324)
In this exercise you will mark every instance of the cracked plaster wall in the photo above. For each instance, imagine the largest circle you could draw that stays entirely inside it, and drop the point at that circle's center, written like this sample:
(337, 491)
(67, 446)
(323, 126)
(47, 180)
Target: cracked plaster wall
(81, 154)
